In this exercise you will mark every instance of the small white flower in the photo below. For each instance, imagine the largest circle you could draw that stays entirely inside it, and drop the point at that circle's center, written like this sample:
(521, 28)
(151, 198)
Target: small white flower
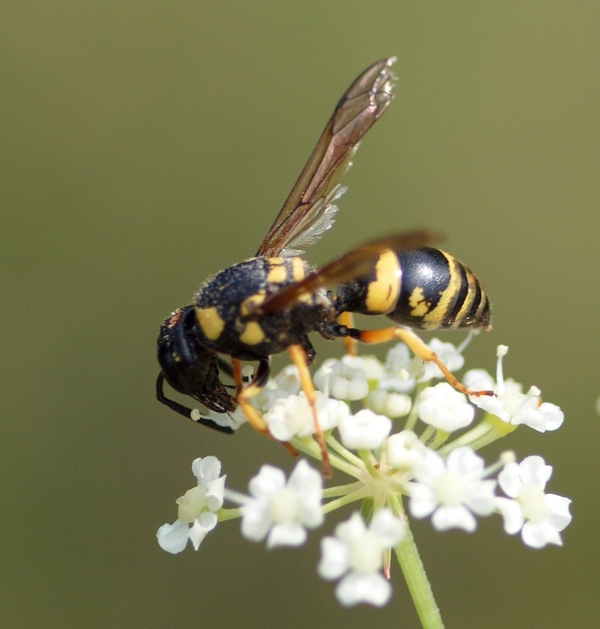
(292, 416)
(340, 380)
(389, 403)
(288, 381)
(450, 355)
(444, 408)
(356, 555)
(196, 509)
(478, 380)
(370, 365)
(365, 430)
(281, 510)
(403, 367)
(404, 450)
(389, 398)
(230, 420)
(539, 516)
(518, 408)
(451, 490)
(513, 407)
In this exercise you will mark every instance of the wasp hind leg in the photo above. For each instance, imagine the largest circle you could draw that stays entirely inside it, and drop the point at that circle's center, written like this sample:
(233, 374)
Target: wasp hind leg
(415, 343)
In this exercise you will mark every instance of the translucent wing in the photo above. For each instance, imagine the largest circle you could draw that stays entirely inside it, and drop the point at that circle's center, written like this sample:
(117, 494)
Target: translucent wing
(309, 209)
(352, 265)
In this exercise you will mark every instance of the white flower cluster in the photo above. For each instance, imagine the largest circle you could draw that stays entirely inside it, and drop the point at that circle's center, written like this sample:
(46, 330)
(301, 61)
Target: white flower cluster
(359, 403)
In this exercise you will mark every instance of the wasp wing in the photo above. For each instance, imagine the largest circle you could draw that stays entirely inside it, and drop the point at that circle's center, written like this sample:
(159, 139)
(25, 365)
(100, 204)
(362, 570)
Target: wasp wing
(309, 209)
(352, 265)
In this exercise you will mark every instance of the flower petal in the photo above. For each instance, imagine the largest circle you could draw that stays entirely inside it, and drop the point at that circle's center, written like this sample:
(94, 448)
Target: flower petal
(267, 482)
(364, 430)
(388, 528)
(173, 537)
(533, 470)
(423, 500)
(289, 534)
(255, 521)
(512, 515)
(197, 533)
(538, 535)
(455, 517)
(510, 480)
(559, 517)
(370, 588)
(335, 558)
(206, 469)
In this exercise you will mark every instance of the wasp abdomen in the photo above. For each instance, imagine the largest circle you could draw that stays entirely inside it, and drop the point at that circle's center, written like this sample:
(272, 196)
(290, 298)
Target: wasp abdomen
(422, 288)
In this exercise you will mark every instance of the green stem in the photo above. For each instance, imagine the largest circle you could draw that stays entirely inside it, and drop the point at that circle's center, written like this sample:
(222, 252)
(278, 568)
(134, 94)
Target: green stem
(361, 493)
(341, 490)
(490, 429)
(427, 435)
(367, 459)
(413, 570)
(334, 444)
(229, 514)
(310, 447)
(441, 436)
(414, 411)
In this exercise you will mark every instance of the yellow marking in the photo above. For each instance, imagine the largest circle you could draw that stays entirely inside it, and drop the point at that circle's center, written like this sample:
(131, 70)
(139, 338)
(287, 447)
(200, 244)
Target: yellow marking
(306, 298)
(250, 304)
(482, 306)
(252, 334)
(469, 298)
(210, 321)
(435, 317)
(416, 301)
(383, 291)
(277, 260)
(277, 273)
(298, 272)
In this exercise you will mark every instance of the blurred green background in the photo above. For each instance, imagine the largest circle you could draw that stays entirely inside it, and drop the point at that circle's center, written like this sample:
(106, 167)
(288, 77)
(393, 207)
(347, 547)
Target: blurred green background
(145, 146)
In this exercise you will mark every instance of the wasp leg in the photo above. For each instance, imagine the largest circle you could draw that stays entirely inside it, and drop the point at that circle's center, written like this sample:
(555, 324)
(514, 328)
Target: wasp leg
(184, 410)
(259, 381)
(415, 344)
(347, 320)
(298, 356)
(225, 367)
(310, 351)
(236, 367)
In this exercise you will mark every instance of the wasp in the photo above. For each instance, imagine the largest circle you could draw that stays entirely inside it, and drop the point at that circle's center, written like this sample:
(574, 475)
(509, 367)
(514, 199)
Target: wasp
(272, 302)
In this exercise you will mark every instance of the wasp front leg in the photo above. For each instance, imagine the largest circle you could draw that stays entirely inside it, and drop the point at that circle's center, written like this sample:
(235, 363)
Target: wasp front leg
(346, 320)
(298, 356)
(258, 383)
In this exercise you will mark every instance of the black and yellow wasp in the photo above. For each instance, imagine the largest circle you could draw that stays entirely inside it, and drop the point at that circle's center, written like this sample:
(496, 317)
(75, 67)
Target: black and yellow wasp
(271, 302)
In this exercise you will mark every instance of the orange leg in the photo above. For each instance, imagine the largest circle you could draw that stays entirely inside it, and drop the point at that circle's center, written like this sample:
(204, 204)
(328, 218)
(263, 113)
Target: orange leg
(298, 356)
(237, 374)
(346, 319)
(419, 348)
